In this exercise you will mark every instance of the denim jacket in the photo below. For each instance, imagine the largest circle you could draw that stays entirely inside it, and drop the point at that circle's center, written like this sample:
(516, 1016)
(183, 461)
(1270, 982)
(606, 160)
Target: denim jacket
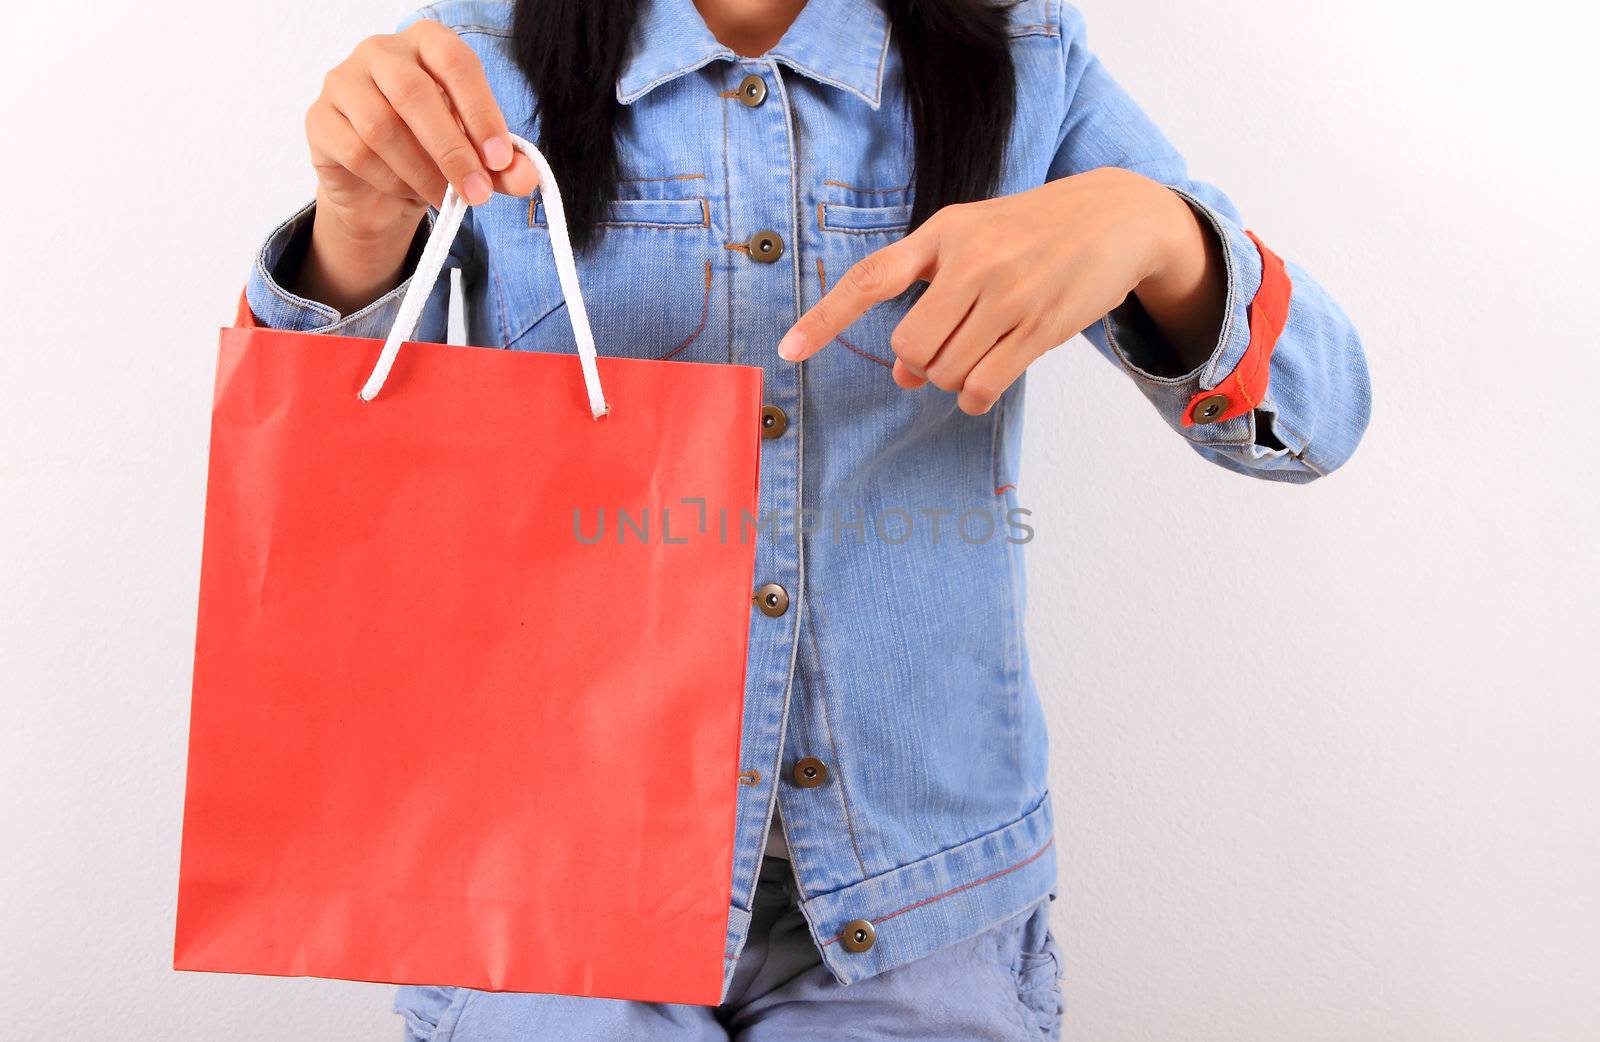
(889, 707)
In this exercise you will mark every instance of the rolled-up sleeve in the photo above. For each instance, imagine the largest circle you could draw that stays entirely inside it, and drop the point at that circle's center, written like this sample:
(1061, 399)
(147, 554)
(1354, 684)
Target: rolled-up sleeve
(1317, 397)
(276, 307)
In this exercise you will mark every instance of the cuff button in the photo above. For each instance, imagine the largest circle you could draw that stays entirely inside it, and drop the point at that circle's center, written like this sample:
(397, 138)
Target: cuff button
(1207, 409)
(858, 935)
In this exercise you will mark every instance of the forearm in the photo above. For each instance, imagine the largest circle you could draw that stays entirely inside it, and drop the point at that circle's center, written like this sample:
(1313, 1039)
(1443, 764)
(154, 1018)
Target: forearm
(1300, 418)
(1186, 296)
(1281, 375)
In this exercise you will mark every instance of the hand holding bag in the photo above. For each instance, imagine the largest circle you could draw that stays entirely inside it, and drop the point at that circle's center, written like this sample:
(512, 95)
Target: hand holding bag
(440, 733)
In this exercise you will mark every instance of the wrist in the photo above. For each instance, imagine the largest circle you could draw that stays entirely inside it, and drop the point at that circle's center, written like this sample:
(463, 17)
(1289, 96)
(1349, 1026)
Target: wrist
(348, 264)
(1185, 288)
(1178, 247)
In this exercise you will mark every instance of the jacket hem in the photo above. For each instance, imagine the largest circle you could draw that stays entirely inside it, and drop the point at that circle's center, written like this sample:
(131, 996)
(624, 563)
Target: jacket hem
(944, 899)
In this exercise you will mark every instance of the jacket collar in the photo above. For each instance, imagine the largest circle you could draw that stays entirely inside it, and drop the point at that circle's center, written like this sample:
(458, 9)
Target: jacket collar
(843, 43)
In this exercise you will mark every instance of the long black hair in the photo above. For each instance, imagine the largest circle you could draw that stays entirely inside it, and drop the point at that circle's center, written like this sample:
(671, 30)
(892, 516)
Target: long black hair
(959, 85)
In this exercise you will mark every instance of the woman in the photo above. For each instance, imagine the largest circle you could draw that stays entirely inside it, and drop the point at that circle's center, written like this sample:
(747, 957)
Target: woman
(892, 209)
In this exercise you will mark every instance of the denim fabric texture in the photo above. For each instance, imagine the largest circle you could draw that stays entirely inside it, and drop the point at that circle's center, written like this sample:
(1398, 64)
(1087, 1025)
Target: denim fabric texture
(1003, 984)
(901, 661)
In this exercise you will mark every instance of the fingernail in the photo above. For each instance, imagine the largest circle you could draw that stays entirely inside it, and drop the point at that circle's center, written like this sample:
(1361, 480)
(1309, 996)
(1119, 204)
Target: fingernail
(790, 346)
(476, 189)
(497, 153)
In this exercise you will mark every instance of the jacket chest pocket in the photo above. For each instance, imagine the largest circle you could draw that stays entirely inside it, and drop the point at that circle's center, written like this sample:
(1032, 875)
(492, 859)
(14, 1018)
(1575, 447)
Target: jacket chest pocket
(646, 281)
(847, 232)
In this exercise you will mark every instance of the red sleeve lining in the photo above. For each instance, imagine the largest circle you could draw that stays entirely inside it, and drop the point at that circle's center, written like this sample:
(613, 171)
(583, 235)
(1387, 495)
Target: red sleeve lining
(1246, 387)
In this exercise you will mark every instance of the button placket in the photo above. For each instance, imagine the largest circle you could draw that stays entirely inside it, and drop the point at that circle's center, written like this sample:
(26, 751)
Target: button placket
(756, 154)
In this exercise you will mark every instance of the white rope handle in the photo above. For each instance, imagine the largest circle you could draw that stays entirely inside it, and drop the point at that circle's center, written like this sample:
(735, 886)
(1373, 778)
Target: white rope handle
(432, 261)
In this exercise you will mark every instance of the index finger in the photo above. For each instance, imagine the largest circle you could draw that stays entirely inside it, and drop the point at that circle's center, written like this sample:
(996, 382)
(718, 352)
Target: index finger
(877, 277)
(456, 68)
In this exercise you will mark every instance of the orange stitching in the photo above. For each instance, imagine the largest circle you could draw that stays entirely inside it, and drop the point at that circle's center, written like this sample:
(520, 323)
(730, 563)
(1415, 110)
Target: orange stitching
(1036, 855)
(864, 354)
(1003, 489)
(705, 311)
(705, 207)
(728, 94)
(820, 225)
(668, 177)
(823, 276)
(869, 191)
(750, 777)
(1238, 378)
(823, 697)
(741, 246)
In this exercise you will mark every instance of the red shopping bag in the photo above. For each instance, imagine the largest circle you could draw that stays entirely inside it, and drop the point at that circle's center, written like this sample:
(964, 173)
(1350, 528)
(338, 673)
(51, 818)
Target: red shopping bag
(441, 733)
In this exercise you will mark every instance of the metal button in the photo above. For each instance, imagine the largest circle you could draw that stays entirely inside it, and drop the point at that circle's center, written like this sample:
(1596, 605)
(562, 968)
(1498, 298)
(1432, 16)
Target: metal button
(1207, 409)
(753, 90)
(772, 599)
(774, 421)
(809, 772)
(858, 935)
(765, 246)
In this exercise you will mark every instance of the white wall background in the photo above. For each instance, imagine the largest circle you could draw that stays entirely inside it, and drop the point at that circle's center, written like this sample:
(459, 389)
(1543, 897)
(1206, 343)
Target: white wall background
(1389, 831)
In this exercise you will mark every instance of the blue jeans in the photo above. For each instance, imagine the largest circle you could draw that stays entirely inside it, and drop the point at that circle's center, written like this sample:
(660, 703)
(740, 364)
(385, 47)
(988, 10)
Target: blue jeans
(1002, 985)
